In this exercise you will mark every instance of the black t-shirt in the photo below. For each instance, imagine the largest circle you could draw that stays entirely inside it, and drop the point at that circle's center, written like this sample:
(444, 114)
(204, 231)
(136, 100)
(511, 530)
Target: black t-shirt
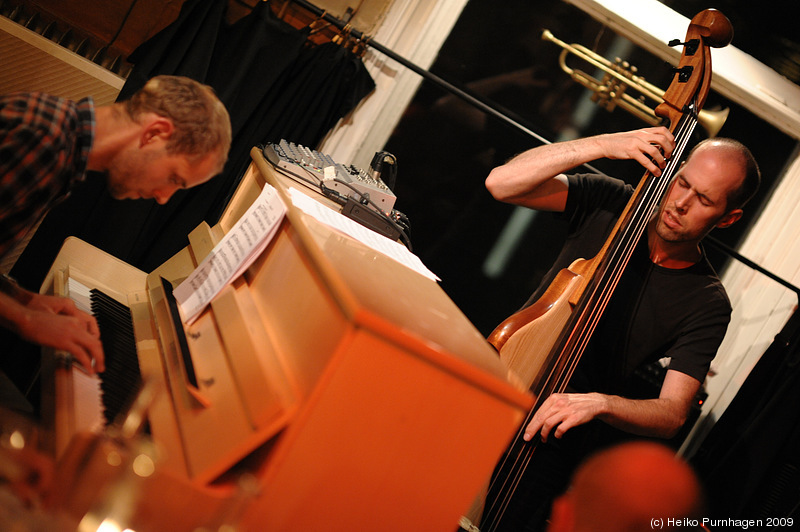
(655, 312)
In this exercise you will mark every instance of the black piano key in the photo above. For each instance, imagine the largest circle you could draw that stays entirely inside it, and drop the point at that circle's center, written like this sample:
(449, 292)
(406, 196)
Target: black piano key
(122, 378)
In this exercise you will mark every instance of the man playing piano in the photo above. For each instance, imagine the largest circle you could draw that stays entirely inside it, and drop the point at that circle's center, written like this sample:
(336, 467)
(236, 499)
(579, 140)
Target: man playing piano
(173, 133)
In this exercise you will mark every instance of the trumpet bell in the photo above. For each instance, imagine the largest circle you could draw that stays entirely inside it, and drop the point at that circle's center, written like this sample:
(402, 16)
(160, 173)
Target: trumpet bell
(712, 121)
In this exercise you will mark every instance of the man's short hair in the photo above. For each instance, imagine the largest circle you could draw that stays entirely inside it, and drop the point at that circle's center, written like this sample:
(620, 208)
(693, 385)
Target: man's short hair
(738, 197)
(202, 124)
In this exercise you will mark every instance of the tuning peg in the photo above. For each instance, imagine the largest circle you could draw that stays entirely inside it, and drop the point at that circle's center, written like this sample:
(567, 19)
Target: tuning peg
(684, 73)
(691, 45)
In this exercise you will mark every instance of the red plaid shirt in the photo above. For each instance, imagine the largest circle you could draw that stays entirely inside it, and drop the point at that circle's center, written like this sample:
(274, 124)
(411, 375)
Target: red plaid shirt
(44, 148)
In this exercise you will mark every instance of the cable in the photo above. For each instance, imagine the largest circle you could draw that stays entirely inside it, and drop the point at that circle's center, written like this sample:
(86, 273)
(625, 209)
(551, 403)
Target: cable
(375, 209)
(293, 175)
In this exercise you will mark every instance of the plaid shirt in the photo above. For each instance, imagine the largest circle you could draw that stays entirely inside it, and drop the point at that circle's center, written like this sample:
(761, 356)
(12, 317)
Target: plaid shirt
(44, 148)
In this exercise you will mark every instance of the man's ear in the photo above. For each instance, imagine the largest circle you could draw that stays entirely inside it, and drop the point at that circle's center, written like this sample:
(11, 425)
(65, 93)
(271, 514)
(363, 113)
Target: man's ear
(156, 127)
(729, 218)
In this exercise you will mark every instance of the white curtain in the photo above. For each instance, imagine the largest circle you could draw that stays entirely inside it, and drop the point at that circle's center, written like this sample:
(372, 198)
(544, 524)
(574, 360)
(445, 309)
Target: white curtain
(415, 30)
(761, 305)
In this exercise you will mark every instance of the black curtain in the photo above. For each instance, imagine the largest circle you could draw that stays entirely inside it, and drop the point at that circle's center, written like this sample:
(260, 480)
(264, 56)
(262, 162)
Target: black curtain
(274, 85)
(750, 461)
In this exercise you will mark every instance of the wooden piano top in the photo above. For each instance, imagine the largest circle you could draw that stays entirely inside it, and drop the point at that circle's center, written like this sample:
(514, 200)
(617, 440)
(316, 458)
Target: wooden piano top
(374, 289)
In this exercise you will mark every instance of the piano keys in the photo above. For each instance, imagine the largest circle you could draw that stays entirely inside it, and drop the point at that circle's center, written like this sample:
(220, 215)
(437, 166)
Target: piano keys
(349, 387)
(122, 379)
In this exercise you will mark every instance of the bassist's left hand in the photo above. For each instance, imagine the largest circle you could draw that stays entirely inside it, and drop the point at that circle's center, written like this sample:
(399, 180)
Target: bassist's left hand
(562, 411)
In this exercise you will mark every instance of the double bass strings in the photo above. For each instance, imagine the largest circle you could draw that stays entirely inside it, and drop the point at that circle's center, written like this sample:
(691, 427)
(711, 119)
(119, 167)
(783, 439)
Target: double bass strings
(519, 455)
(612, 270)
(653, 195)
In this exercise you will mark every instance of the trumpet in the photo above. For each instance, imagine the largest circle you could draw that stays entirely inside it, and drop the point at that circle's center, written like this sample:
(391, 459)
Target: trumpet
(612, 90)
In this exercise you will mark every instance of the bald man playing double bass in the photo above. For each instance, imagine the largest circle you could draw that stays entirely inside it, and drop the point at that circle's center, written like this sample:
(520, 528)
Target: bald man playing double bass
(669, 303)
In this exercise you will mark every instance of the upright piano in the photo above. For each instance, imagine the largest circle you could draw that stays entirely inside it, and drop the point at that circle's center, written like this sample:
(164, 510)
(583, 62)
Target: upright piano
(346, 389)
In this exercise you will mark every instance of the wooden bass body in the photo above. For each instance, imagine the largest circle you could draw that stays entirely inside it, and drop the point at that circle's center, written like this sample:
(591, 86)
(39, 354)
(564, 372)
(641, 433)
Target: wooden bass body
(525, 340)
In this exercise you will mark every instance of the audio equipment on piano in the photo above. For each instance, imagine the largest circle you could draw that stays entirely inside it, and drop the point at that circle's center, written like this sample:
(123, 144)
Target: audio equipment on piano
(312, 169)
(338, 380)
(363, 196)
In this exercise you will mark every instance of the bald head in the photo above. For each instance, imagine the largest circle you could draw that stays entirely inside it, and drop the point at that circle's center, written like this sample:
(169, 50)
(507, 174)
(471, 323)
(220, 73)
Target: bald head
(624, 488)
(744, 174)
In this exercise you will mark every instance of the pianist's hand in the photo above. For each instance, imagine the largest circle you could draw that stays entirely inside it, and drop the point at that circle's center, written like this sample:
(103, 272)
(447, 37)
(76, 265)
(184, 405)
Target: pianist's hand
(55, 322)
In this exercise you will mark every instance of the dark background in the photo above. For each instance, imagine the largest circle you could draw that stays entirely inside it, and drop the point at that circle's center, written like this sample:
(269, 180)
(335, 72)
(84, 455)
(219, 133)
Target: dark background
(445, 148)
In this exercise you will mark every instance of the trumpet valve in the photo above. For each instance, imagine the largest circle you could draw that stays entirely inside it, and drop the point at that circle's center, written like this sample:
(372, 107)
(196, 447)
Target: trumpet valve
(608, 92)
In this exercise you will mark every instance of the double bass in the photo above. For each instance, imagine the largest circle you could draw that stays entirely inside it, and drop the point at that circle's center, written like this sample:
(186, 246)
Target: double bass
(543, 343)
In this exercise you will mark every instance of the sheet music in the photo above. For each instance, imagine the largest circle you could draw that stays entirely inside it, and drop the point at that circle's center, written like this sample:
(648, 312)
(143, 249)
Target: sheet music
(378, 242)
(246, 240)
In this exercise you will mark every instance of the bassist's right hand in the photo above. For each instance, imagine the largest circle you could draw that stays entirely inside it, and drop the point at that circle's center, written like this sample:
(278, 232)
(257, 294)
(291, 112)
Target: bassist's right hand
(563, 411)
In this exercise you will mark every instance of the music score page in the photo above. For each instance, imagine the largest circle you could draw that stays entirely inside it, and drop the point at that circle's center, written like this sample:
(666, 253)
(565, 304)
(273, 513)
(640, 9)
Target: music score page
(240, 247)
